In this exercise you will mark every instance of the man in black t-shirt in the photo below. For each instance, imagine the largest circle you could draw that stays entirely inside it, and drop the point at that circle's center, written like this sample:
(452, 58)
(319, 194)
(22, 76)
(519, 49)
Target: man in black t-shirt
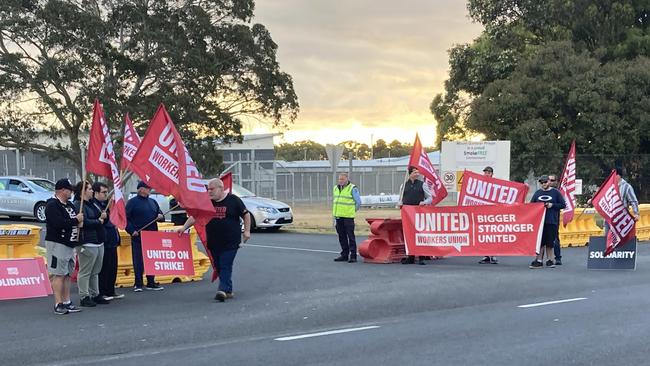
(224, 233)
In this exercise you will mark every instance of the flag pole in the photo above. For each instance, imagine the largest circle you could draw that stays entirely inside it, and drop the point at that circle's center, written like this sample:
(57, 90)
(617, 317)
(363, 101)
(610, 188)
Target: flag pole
(156, 219)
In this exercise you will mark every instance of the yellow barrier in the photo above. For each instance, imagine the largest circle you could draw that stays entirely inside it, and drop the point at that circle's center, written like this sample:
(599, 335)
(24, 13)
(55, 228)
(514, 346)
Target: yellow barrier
(643, 225)
(578, 231)
(126, 276)
(19, 241)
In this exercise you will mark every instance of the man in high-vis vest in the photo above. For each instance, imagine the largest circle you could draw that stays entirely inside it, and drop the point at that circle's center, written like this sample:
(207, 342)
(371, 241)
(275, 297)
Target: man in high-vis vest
(346, 203)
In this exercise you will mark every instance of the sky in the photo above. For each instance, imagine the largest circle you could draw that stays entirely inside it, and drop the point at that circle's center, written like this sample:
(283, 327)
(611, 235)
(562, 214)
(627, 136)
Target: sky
(364, 69)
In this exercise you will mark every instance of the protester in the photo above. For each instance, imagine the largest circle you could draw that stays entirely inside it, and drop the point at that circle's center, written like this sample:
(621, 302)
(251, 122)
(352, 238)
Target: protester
(108, 274)
(554, 202)
(347, 202)
(415, 193)
(224, 234)
(553, 181)
(488, 172)
(62, 224)
(627, 195)
(91, 252)
(142, 212)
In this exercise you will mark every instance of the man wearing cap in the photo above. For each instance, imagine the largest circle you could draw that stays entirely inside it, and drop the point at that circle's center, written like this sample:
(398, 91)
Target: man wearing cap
(488, 172)
(62, 235)
(142, 212)
(415, 193)
(557, 249)
(554, 202)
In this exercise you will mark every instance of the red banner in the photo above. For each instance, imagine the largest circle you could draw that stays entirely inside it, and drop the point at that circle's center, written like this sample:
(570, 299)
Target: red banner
(167, 254)
(101, 161)
(131, 143)
(503, 230)
(227, 182)
(478, 189)
(420, 160)
(609, 204)
(23, 278)
(568, 185)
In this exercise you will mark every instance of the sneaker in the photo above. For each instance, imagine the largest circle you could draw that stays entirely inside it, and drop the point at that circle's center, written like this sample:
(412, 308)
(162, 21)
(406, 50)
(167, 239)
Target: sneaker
(493, 260)
(154, 287)
(550, 264)
(99, 299)
(341, 258)
(421, 262)
(137, 288)
(60, 309)
(558, 262)
(536, 264)
(87, 302)
(485, 260)
(352, 260)
(220, 296)
(117, 296)
(108, 298)
(229, 295)
(408, 260)
(71, 308)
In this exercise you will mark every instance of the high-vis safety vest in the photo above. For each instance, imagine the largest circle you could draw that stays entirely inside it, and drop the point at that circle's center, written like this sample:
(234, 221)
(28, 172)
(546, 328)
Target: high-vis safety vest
(344, 205)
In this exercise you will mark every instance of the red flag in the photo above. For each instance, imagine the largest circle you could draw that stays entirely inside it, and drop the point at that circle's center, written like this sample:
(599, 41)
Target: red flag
(568, 185)
(227, 182)
(131, 143)
(609, 204)
(478, 189)
(420, 160)
(101, 161)
(164, 163)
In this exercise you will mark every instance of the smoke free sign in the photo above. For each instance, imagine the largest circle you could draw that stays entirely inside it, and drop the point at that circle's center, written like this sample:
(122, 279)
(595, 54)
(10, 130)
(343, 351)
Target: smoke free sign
(167, 254)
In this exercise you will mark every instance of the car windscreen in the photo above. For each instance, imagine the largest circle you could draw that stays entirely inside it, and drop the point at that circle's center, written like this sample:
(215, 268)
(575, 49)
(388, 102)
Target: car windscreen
(42, 185)
(240, 191)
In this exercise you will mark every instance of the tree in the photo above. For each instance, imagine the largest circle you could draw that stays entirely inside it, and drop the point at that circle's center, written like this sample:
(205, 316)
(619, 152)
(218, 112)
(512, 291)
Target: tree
(301, 150)
(360, 151)
(545, 72)
(206, 61)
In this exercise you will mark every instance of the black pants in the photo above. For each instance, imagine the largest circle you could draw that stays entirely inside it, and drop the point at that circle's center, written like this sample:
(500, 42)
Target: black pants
(347, 240)
(138, 262)
(108, 275)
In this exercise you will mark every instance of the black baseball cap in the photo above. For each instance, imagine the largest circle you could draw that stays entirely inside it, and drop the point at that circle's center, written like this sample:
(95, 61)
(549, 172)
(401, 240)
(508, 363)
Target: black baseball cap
(543, 179)
(142, 184)
(488, 169)
(63, 184)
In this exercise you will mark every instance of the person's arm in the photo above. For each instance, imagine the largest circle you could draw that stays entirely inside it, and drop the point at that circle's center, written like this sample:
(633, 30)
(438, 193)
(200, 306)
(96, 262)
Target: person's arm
(561, 203)
(428, 198)
(357, 198)
(247, 226)
(57, 220)
(130, 228)
(634, 202)
(188, 224)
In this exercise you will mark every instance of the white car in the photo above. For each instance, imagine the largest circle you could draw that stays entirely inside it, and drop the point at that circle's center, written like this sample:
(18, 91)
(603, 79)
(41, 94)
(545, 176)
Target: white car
(266, 213)
(24, 196)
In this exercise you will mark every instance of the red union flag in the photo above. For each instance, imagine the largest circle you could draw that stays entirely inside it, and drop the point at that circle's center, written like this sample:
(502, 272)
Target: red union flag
(227, 182)
(486, 230)
(167, 253)
(568, 185)
(130, 145)
(609, 204)
(164, 163)
(23, 278)
(478, 189)
(420, 160)
(101, 161)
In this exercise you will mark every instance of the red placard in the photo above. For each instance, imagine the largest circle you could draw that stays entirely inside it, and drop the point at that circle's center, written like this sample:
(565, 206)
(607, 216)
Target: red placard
(23, 278)
(167, 254)
(479, 189)
(504, 230)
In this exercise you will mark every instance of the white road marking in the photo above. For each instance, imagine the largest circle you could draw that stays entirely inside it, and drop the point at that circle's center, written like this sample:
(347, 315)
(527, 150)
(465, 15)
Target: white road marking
(319, 334)
(551, 302)
(290, 248)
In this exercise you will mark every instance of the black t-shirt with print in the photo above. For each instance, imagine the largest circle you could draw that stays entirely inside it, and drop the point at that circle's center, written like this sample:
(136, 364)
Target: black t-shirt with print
(223, 231)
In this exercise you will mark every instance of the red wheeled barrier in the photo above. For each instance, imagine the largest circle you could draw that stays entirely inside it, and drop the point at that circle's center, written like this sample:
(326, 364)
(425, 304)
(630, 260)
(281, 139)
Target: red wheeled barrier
(385, 243)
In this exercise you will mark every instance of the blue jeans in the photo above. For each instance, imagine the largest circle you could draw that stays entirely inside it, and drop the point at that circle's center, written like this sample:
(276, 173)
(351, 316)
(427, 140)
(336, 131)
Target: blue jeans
(224, 261)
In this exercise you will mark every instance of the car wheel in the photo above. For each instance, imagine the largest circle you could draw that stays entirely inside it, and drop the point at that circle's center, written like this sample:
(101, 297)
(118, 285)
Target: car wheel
(39, 212)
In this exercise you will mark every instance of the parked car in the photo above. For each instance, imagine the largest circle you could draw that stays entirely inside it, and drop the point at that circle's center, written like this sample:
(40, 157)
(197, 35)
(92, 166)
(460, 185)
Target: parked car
(266, 213)
(24, 196)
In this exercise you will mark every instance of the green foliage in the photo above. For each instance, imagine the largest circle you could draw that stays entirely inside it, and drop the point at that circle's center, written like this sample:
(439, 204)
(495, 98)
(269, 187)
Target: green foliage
(301, 150)
(543, 73)
(310, 150)
(209, 64)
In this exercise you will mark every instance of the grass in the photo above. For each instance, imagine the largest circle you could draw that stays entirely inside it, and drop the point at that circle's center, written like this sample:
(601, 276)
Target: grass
(317, 218)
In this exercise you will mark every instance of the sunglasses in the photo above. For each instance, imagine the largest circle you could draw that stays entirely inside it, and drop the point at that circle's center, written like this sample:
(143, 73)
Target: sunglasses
(552, 180)
(543, 181)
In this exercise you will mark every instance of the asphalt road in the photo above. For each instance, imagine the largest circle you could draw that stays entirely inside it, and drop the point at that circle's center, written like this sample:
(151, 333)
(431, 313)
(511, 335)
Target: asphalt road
(295, 306)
